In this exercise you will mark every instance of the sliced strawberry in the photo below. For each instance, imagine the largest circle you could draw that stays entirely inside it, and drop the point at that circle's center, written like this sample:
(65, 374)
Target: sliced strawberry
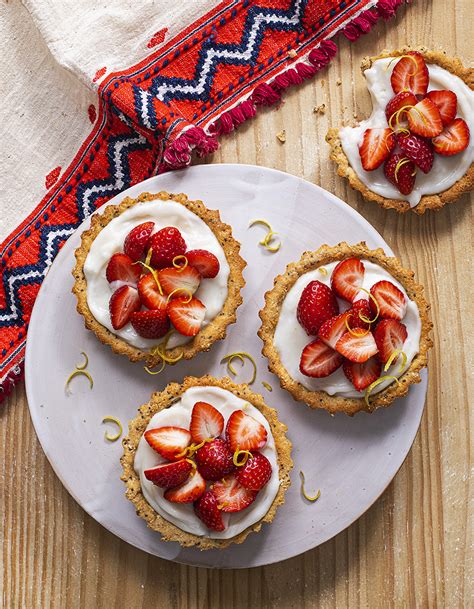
(424, 118)
(243, 432)
(137, 240)
(410, 73)
(150, 294)
(318, 360)
(123, 303)
(215, 459)
(206, 422)
(390, 335)
(360, 310)
(401, 100)
(204, 262)
(256, 472)
(186, 316)
(231, 495)
(186, 280)
(206, 510)
(166, 244)
(347, 278)
(122, 268)
(317, 304)
(150, 324)
(361, 375)
(170, 442)
(357, 348)
(171, 474)
(392, 302)
(376, 145)
(418, 150)
(399, 170)
(189, 491)
(332, 329)
(453, 139)
(447, 103)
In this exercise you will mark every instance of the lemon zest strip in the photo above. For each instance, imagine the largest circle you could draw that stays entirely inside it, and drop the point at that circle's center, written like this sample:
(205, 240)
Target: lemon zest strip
(393, 357)
(322, 270)
(246, 455)
(109, 437)
(304, 493)
(194, 466)
(267, 386)
(180, 267)
(268, 239)
(353, 331)
(372, 386)
(265, 242)
(401, 57)
(85, 364)
(259, 221)
(150, 371)
(240, 355)
(148, 256)
(78, 373)
(154, 274)
(362, 316)
(185, 290)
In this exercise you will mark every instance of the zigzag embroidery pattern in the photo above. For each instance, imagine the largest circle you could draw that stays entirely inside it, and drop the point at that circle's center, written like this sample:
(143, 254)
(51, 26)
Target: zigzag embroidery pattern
(258, 21)
(51, 237)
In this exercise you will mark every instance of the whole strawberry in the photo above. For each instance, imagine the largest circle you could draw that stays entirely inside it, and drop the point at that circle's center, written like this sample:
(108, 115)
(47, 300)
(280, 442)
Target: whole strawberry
(137, 239)
(255, 473)
(215, 459)
(317, 304)
(418, 150)
(166, 244)
(401, 172)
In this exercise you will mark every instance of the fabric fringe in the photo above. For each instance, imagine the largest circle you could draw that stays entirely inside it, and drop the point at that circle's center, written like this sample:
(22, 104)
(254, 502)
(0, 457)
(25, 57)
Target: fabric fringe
(10, 381)
(178, 153)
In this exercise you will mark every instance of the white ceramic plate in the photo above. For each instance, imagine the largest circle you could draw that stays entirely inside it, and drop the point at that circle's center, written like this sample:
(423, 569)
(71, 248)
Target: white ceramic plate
(352, 460)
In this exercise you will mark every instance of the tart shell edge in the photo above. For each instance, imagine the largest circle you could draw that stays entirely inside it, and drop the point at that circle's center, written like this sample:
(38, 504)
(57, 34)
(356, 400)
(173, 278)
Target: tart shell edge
(270, 315)
(164, 399)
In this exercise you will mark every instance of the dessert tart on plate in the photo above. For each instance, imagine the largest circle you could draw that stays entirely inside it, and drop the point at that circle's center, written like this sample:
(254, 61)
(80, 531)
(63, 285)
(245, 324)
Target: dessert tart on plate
(346, 329)
(416, 151)
(206, 462)
(158, 278)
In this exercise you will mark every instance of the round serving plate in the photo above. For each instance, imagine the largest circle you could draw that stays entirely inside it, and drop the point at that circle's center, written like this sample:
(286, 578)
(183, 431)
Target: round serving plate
(352, 460)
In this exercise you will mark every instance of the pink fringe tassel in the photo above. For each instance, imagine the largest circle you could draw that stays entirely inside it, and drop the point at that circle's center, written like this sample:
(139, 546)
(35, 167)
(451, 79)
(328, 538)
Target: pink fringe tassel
(178, 154)
(12, 379)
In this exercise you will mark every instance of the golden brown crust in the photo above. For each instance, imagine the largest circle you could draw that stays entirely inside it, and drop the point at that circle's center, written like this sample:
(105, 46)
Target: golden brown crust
(435, 202)
(215, 330)
(271, 312)
(165, 399)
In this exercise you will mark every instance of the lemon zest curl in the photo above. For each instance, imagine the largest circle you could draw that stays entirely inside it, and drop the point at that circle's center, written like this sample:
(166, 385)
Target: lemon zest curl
(246, 456)
(304, 493)
(114, 437)
(241, 355)
(372, 386)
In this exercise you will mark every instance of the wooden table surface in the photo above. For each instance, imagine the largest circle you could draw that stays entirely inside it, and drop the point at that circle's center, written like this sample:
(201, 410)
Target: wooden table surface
(412, 548)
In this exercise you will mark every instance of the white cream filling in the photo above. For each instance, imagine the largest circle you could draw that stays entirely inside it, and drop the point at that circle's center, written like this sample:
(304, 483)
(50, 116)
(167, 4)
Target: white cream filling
(182, 514)
(197, 234)
(446, 171)
(290, 338)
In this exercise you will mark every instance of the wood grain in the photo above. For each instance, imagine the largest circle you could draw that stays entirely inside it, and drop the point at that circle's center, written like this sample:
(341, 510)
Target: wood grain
(413, 548)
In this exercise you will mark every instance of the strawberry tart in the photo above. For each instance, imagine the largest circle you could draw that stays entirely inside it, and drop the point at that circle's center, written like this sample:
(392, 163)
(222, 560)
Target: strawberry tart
(158, 278)
(346, 329)
(206, 462)
(416, 151)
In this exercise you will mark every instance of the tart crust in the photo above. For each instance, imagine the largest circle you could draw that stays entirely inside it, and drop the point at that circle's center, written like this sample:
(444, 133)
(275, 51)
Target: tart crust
(165, 399)
(436, 201)
(270, 314)
(215, 330)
